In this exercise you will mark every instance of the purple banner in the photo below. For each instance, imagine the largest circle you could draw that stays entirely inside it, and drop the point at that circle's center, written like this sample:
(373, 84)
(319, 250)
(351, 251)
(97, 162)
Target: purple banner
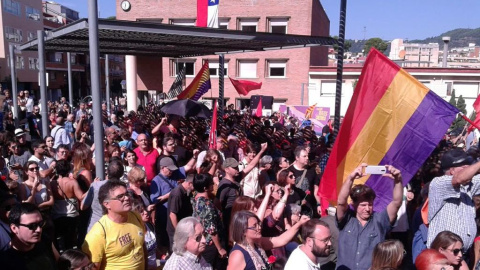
(319, 117)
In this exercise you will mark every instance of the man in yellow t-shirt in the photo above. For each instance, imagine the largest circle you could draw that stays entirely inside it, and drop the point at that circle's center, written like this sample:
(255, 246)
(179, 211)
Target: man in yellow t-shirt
(116, 241)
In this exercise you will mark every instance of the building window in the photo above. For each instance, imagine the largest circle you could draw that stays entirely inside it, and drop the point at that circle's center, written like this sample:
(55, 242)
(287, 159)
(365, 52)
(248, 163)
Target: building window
(176, 65)
(32, 63)
(73, 58)
(277, 25)
(248, 25)
(223, 23)
(13, 34)
(184, 22)
(54, 57)
(277, 68)
(12, 7)
(19, 64)
(32, 14)
(247, 68)
(214, 68)
(328, 88)
(31, 36)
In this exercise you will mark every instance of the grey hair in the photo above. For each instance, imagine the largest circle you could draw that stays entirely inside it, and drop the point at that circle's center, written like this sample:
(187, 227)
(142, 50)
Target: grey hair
(185, 229)
(293, 209)
(265, 160)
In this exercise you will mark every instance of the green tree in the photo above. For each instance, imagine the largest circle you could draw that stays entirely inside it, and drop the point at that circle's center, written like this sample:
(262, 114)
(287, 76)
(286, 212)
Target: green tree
(111, 18)
(461, 106)
(377, 43)
(453, 99)
(346, 45)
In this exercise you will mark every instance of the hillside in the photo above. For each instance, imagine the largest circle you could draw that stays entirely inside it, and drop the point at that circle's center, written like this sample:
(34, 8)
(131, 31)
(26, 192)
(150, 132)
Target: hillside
(460, 37)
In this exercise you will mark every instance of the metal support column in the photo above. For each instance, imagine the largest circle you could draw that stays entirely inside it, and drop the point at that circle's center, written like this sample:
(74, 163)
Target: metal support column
(70, 87)
(43, 82)
(107, 85)
(13, 76)
(341, 43)
(221, 84)
(95, 86)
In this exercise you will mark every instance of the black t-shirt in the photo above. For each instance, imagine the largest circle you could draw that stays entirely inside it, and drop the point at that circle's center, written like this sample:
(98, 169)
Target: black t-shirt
(180, 204)
(40, 257)
(309, 180)
(182, 155)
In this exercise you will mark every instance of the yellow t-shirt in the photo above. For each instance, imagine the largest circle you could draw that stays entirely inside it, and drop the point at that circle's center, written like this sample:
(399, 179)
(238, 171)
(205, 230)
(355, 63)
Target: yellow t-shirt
(115, 245)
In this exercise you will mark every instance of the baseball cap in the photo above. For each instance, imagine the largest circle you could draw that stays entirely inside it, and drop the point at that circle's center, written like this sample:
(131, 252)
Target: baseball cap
(168, 162)
(19, 132)
(230, 163)
(455, 158)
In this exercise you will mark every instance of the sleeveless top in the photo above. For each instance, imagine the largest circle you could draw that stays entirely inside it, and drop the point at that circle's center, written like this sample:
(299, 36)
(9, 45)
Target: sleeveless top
(249, 265)
(66, 207)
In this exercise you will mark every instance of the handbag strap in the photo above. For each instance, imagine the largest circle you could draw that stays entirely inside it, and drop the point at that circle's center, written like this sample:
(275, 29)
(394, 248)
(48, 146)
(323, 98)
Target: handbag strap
(299, 184)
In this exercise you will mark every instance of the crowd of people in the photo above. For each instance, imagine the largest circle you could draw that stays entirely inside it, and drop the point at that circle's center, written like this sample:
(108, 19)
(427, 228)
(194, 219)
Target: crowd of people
(169, 201)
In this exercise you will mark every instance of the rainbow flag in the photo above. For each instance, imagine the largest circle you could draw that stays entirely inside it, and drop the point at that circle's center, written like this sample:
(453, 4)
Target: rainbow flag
(392, 119)
(199, 86)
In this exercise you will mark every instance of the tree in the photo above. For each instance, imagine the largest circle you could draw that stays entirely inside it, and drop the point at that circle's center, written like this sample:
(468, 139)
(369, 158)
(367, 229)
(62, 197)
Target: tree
(112, 18)
(453, 99)
(346, 45)
(461, 106)
(377, 43)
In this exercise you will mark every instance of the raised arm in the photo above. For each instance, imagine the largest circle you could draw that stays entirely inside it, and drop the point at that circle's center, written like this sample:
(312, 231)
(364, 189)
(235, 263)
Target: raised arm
(254, 161)
(342, 205)
(394, 205)
(268, 243)
(263, 207)
(157, 128)
(465, 176)
(193, 161)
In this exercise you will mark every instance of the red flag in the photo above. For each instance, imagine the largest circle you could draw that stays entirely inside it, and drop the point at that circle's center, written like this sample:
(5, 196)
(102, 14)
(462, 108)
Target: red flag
(212, 139)
(476, 105)
(243, 87)
(258, 112)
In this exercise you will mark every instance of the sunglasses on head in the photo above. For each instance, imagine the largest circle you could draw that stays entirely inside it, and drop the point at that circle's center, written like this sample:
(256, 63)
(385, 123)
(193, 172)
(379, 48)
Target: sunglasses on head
(33, 226)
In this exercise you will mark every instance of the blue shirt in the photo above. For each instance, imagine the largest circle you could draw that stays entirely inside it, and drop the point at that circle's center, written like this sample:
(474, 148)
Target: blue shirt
(162, 185)
(356, 242)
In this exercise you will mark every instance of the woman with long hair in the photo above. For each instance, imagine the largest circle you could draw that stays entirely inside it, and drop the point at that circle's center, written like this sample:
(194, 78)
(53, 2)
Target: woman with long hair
(450, 245)
(49, 141)
(33, 189)
(82, 165)
(138, 185)
(131, 161)
(74, 259)
(67, 195)
(388, 253)
(9, 122)
(249, 250)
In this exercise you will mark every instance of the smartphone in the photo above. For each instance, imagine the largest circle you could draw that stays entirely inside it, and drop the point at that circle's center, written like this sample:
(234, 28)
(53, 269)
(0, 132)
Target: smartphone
(375, 170)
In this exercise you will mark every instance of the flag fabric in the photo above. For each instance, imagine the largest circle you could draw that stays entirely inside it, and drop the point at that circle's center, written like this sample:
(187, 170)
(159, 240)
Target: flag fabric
(258, 111)
(476, 105)
(309, 111)
(212, 139)
(177, 85)
(392, 119)
(199, 86)
(207, 13)
(244, 87)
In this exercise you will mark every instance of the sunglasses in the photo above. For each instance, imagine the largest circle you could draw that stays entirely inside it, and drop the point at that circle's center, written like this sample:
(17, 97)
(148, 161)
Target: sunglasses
(291, 176)
(34, 226)
(198, 238)
(455, 251)
(33, 169)
(121, 197)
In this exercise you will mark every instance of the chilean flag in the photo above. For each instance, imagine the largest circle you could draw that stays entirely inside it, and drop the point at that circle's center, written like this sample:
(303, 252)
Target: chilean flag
(207, 13)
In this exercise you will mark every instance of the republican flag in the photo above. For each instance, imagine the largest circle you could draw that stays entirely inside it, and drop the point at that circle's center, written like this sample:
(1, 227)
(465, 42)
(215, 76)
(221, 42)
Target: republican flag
(392, 119)
(207, 13)
(199, 86)
(309, 111)
(476, 122)
(212, 139)
(244, 87)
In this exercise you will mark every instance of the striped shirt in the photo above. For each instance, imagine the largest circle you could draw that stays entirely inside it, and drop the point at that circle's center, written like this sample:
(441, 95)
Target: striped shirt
(452, 209)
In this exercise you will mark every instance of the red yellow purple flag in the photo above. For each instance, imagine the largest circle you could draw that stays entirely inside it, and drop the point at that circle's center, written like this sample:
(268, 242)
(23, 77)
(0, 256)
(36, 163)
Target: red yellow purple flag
(199, 86)
(392, 119)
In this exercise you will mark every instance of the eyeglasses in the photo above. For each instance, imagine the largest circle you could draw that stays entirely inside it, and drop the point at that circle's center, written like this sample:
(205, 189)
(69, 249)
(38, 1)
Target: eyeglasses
(255, 227)
(326, 240)
(33, 169)
(291, 176)
(286, 160)
(198, 238)
(121, 197)
(455, 251)
(33, 226)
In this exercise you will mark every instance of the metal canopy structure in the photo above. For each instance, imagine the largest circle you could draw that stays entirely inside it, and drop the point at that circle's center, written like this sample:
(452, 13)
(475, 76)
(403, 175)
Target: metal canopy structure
(166, 40)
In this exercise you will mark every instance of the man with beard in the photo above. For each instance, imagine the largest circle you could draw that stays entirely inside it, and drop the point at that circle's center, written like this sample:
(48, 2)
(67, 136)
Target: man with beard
(27, 248)
(117, 239)
(179, 205)
(317, 242)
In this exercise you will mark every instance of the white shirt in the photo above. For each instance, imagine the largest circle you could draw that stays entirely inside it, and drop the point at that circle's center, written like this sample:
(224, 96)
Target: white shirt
(29, 104)
(299, 260)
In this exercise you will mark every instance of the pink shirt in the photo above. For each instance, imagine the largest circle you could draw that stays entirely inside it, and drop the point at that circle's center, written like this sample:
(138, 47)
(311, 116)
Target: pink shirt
(148, 161)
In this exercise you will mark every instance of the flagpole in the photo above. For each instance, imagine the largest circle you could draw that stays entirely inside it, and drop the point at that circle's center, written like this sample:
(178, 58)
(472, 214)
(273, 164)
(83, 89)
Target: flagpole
(468, 120)
(221, 64)
(341, 41)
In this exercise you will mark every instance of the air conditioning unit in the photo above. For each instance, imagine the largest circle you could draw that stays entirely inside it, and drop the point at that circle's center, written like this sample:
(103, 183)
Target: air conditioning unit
(34, 16)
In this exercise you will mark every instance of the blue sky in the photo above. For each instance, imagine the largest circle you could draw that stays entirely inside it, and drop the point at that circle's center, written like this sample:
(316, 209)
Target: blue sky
(387, 19)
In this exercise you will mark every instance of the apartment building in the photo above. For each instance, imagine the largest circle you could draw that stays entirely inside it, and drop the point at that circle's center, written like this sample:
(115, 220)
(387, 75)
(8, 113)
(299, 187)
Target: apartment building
(283, 72)
(414, 54)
